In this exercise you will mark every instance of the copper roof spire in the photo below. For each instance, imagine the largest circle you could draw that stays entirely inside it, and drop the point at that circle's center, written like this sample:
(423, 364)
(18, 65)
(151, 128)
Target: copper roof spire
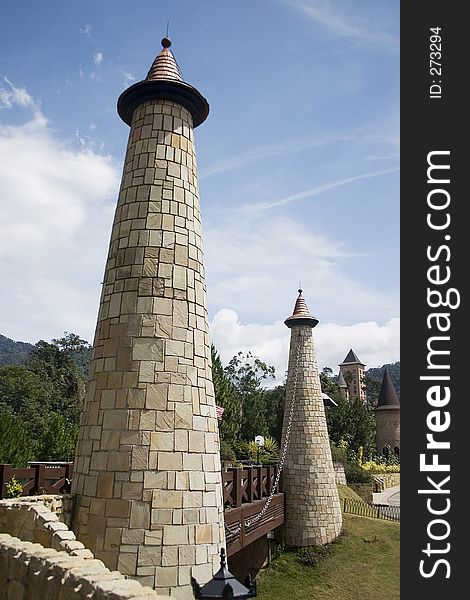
(301, 314)
(165, 65)
(164, 81)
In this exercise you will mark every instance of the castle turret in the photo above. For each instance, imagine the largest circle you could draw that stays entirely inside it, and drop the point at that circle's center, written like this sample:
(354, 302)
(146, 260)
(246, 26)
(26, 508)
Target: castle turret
(313, 512)
(147, 475)
(353, 373)
(343, 386)
(387, 417)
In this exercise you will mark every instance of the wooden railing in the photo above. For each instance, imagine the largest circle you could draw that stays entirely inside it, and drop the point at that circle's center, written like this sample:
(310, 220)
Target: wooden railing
(38, 478)
(246, 491)
(246, 485)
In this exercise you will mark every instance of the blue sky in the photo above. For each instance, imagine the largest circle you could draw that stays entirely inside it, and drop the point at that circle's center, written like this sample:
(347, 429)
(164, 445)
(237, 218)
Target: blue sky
(298, 163)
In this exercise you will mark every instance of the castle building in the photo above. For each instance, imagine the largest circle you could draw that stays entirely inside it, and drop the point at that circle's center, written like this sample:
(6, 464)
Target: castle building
(147, 478)
(353, 373)
(387, 417)
(312, 507)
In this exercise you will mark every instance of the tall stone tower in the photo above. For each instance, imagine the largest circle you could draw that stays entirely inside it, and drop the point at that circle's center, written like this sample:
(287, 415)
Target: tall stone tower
(147, 467)
(353, 373)
(387, 417)
(313, 512)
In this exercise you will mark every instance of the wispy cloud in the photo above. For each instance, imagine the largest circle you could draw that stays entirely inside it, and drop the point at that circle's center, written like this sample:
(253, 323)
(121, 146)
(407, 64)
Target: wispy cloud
(365, 135)
(267, 151)
(11, 96)
(128, 77)
(346, 26)
(316, 190)
(86, 30)
(97, 58)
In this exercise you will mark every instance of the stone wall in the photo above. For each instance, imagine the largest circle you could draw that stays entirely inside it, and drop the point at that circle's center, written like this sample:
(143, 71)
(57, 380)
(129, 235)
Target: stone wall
(387, 427)
(60, 504)
(382, 481)
(42, 519)
(340, 475)
(29, 571)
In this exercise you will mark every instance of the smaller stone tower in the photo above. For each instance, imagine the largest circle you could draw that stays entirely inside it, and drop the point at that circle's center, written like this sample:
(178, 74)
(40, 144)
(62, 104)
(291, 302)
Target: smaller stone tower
(353, 373)
(313, 512)
(343, 386)
(387, 417)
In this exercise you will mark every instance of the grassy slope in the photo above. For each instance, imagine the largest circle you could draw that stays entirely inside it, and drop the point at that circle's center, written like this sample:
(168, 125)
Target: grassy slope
(346, 492)
(356, 569)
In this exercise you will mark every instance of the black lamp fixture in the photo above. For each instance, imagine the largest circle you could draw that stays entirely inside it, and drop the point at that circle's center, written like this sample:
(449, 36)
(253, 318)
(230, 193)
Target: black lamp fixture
(224, 586)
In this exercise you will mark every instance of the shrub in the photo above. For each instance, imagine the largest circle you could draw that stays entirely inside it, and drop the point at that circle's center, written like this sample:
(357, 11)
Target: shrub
(226, 452)
(379, 467)
(312, 555)
(14, 488)
(338, 454)
(356, 474)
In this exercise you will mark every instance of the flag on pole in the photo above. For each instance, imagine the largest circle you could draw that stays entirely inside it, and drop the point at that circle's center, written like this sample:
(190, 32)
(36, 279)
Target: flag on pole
(219, 411)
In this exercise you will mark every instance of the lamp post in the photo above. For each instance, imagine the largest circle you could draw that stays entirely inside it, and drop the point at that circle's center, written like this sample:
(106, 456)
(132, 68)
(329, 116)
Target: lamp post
(259, 441)
(224, 586)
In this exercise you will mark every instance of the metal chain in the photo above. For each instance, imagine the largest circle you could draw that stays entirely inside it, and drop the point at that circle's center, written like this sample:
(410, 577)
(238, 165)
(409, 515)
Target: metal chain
(251, 522)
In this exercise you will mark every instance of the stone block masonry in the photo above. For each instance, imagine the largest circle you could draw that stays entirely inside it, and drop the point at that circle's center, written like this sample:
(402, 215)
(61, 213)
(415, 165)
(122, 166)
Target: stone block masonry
(147, 467)
(312, 510)
(29, 571)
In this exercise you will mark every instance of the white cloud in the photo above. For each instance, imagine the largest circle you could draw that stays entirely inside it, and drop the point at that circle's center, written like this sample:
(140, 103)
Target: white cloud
(375, 344)
(346, 26)
(97, 58)
(254, 267)
(86, 30)
(54, 228)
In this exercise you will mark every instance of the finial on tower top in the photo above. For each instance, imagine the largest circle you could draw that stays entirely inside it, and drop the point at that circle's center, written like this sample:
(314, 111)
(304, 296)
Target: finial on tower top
(166, 42)
(301, 314)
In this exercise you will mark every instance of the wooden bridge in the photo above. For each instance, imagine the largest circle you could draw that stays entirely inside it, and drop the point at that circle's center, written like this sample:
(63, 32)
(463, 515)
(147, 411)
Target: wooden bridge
(245, 493)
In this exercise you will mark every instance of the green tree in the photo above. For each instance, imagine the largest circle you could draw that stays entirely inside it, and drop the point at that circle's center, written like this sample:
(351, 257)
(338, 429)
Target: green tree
(54, 364)
(247, 372)
(58, 442)
(275, 401)
(372, 389)
(44, 397)
(16, 446)
(352, 421)
(225, 396)
(28, 397)
(77, 349)
(329, 385)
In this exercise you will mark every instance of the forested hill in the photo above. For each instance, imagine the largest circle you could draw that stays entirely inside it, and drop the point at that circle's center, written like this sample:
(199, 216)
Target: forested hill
(13, 353)
(393, 371)
(17, 353)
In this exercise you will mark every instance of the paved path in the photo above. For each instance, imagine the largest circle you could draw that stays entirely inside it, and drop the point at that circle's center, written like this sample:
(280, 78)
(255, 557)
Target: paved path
(390, 496)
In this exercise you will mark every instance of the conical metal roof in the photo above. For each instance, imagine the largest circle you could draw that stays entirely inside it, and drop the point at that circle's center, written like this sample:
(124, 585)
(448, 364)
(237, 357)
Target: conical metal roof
(163, 82)
(341, 380)
(351, 357)
(165, 65)
(301, 314)
(388, 397)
